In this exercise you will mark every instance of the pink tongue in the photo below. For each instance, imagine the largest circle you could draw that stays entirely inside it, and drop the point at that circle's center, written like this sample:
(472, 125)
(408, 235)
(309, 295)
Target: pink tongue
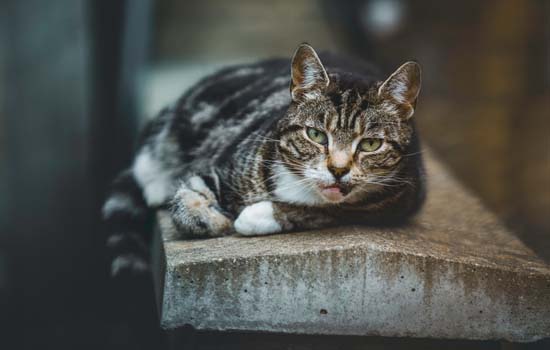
(334, 189)
(332, 193)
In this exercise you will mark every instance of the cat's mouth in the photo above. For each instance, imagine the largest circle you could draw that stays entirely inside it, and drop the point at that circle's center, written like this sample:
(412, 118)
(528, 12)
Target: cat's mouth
(335, 192)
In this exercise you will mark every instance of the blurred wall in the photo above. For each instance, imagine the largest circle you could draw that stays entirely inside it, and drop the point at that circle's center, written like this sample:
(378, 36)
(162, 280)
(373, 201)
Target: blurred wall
(215, 30)
(44, 175)
(67, 118)
(485, 106)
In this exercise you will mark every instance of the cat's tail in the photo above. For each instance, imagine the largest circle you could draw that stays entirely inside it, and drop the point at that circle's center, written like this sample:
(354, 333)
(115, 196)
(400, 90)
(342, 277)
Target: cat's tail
(128, 226)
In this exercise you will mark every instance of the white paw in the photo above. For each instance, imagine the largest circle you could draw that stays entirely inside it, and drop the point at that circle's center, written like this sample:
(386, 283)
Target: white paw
(257, 219)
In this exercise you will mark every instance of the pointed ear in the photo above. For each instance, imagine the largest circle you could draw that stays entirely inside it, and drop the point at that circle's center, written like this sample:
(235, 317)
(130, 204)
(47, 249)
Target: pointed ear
(400, 91)
(309, 78)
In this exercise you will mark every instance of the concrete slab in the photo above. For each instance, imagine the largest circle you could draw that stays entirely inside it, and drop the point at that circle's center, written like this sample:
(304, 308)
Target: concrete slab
(455, 272)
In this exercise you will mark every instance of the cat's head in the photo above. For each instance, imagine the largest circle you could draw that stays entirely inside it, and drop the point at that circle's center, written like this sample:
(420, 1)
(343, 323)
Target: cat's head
(343, 137)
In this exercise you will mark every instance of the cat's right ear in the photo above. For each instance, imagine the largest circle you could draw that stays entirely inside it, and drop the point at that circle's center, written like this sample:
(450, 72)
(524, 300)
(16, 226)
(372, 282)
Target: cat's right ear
(309, 77)
(400, 91)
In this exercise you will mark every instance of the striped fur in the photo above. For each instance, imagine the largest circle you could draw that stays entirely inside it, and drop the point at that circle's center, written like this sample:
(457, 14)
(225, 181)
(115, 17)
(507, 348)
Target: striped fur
(233, 153)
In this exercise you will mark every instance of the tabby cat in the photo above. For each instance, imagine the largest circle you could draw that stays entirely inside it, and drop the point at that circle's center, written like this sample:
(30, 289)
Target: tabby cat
(241, 153)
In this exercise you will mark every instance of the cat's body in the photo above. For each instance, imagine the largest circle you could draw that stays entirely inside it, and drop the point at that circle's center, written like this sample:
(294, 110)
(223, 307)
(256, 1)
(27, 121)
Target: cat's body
(240, 152)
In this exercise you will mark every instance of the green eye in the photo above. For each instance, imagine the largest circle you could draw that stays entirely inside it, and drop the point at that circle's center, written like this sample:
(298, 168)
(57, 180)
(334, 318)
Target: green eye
(317, 136)
(370, 145)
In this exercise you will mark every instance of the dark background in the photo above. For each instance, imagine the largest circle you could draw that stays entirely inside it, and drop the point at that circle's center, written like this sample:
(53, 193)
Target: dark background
(78, 77)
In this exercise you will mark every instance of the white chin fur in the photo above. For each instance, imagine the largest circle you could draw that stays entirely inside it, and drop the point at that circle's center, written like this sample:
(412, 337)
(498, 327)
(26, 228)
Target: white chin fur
(288, 188)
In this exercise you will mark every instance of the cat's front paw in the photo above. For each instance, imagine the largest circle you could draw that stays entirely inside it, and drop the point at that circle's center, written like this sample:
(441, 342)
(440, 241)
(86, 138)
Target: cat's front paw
(257, 219)
(196, 212)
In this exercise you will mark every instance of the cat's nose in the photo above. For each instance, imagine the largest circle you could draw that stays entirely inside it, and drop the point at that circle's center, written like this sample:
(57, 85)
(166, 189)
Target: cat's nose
(339, 163)
(338, 172)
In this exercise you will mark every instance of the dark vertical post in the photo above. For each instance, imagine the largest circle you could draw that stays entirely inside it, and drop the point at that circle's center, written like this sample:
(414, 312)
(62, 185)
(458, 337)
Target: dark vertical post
(120, 32)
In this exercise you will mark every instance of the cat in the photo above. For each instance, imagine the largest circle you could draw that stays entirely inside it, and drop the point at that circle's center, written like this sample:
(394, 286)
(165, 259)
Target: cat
(269, 147)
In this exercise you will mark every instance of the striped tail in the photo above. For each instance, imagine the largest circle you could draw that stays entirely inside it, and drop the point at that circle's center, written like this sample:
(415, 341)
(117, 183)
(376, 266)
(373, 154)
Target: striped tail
(128, 222)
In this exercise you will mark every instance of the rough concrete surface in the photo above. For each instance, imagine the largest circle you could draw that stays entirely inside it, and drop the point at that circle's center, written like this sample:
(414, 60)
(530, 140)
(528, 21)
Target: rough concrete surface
(455, 272)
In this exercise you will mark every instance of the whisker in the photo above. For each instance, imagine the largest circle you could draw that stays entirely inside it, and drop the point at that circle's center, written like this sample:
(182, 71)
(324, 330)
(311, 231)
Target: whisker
(414, 153)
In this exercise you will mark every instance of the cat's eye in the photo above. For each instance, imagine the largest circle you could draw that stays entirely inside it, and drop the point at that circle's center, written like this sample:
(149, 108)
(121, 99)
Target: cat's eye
(317, 136)
(370, 145)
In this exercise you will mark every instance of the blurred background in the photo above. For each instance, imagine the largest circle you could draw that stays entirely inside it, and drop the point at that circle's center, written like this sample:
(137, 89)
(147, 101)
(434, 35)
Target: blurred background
(78, 78)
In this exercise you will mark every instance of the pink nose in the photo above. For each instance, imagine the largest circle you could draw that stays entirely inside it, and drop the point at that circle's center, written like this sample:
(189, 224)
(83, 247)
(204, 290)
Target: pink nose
(338, 172)
(339, 163)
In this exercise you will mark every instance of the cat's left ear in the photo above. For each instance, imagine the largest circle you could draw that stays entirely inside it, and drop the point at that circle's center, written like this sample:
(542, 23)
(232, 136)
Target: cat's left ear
(309, 77)
(400, 91)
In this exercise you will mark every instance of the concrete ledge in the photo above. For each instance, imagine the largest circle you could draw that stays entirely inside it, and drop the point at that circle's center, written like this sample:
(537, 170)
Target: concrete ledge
(453, 273)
